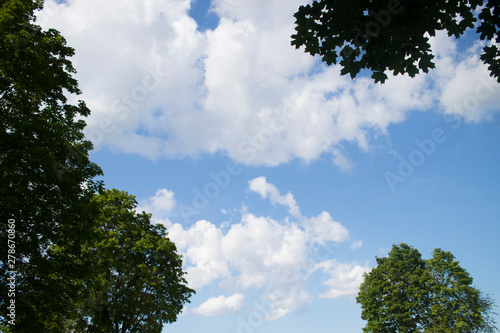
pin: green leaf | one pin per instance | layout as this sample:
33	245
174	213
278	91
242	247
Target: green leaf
379	77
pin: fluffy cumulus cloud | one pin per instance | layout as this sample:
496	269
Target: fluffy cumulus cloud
159	86
201	246
277	257
162	202
345	278
163	199
220	305
469	91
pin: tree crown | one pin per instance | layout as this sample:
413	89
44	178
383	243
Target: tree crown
392	35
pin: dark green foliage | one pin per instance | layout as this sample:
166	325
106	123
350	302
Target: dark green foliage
137	283
80	261
405	293
46	181
391	34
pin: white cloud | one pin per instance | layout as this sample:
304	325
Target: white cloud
200	245
157	86
220	305
324	229
345	279
163	200
341	160
160	204
285	301
471	93
466	88
261	186
277	257
261	249
356	245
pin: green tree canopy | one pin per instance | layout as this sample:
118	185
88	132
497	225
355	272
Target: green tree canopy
46	183
392	35
455	304
137	283
406	293
80	261
393	295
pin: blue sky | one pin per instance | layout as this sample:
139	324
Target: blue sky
278	179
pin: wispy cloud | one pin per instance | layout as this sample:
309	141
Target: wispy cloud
356	245
261	186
